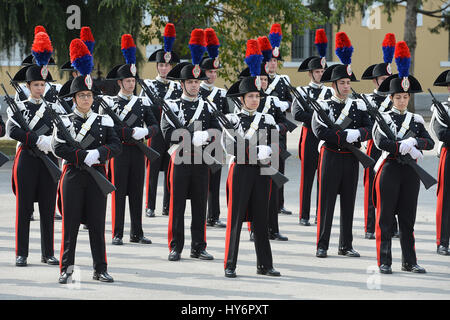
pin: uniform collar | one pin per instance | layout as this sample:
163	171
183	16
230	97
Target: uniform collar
315	85
397	111
272	75
34	101
81	114
124	96
338	100
189	99
248	112
162	80
207	86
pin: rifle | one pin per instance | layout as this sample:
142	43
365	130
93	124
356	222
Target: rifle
150	153
363	158
278	178
52	168
215	164
297	95
101	181
22	95
62	102
424	176
443	114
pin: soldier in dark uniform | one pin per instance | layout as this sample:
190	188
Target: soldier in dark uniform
166	89
82	199
248	190
278	87
127	170
441	131
308	143
210	65
338	167
189	179
377	73
31	179
2	127
396	183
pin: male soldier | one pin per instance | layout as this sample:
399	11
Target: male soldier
165	58
308	143
188	179
127	170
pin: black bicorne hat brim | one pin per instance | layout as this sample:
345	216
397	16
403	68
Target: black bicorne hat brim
185	71
244	86
443	79
67	67
30	60
246	72
368	73
121	71
158	56
208	64
79	84
393	84
311	63
337	72
32	72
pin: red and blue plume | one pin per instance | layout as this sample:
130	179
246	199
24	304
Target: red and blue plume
197	45
402	59
253	57
169	37
88	39
265	47
42	48
388	47
321	42
38	29
212	43
344	48
275	35
128	49
80	57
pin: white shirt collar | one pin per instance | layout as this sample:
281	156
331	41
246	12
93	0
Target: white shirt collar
338	100
165	81
125	97
397	111
81	114
206	85
34	101
315	85
190	99
248	112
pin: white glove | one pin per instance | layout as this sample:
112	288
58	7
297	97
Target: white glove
407	145
200	138
44	143
415	153
264	152
92	157
139	133
352	135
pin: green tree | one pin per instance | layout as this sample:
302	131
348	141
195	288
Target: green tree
108	20
235	21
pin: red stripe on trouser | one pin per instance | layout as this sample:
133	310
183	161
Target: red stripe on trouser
170	173
113	197
16	186
440	195
61	181
319	176
147	176
229	193
367	186
304	134
376	183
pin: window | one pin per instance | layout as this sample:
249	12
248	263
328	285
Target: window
303	44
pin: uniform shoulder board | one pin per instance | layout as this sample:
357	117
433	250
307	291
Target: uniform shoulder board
233	117
66	119
360	104
145	101
173	104
286	77
223	92
107	121
268	119
419	118
57	86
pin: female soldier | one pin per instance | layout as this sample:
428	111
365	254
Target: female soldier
81	197
396	183
247	189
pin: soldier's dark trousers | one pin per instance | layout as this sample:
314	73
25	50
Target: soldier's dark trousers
443	201
247	200
127	174
338	175
214	196
397	189
82	201
32	183
153	169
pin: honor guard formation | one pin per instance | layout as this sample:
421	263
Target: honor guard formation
76	145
